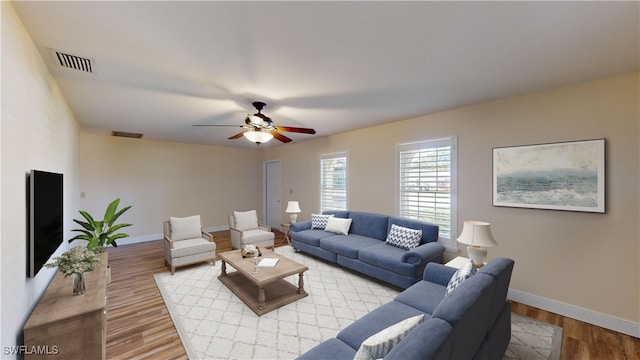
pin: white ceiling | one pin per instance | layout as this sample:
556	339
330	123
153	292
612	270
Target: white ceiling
161	67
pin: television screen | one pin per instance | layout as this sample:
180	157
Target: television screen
45	218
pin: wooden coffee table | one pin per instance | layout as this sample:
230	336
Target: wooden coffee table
266	290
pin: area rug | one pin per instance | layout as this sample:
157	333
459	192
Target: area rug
214	324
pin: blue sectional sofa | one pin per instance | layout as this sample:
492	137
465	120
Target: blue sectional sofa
472	322
364	248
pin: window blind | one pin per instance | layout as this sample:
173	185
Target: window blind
333	182
426	184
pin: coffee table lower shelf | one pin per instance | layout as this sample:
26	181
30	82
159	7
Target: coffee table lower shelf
277	294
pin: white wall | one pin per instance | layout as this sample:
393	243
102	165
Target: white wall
583	264
38	131
161	179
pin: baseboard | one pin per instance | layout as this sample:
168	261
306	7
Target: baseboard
159	236
575	312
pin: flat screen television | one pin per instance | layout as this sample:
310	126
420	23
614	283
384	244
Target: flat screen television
45	218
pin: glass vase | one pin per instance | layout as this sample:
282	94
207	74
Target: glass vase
78	284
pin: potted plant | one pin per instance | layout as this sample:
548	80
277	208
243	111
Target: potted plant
102	233
75	262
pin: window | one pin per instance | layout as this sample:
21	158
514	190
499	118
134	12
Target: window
427	185
333	182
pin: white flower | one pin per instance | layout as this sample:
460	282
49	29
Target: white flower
78	260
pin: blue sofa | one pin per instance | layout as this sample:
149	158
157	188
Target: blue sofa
472	322
364	248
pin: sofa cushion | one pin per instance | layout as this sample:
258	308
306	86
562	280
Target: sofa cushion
429	230
378	319
185	227
343	214
330	349
190	247
379	344
311	237
387	257
467	310
430	340
466	271
348	245
404	238
319	221
423	295
338	226
246	220
372	225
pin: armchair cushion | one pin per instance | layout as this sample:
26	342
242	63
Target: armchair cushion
192	247
246	220
185	228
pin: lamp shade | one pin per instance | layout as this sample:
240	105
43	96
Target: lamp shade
258	136
477	233
293	207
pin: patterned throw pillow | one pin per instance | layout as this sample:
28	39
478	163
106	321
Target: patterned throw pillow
465	272
379	344
403	237
319	221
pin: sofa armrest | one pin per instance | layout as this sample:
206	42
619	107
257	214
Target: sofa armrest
438	273
207	236
264	227
425	253
300	226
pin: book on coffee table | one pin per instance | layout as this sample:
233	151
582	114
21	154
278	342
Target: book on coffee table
268	262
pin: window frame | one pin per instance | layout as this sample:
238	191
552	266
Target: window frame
333	156
449	242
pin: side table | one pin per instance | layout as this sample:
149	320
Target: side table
286	229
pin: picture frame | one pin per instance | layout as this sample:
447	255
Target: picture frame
566	176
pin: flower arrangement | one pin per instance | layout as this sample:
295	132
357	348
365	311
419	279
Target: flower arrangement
78	260
251	250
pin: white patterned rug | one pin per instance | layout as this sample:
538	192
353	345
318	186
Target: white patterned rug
214	324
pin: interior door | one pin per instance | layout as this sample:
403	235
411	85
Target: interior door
273	210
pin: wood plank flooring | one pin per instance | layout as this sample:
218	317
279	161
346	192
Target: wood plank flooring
140	327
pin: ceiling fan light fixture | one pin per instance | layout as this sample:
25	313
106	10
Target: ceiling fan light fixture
258	136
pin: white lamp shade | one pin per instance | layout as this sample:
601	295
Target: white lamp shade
258	137
293	207
477	233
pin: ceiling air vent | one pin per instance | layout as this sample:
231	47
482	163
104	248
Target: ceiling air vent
126	134
73	61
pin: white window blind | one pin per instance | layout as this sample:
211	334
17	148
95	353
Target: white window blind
333	182
426	185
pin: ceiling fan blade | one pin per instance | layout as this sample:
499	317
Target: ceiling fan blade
295	129
217	125
236	136
280	137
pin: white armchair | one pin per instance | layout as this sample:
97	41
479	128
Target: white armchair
186	242
245	229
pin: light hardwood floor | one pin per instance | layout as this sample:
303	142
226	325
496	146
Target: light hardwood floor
139	325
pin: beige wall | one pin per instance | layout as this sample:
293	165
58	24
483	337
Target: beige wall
161	179
38	131
586	260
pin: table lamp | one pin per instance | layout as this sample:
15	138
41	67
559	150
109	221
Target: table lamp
477	235
293	208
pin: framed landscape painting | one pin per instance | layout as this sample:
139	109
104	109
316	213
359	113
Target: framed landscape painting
559	176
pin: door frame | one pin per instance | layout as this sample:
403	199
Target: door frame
264	190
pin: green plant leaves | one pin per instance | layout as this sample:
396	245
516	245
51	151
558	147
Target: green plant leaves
101	233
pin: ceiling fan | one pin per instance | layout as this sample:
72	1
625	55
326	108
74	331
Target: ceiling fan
259	128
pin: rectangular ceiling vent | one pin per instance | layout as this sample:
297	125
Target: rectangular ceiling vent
75	62
127	134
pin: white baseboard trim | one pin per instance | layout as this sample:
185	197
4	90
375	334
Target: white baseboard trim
575	312
160	236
